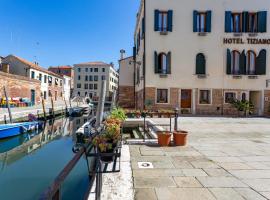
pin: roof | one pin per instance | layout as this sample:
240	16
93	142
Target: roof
34	66
96	64
61	67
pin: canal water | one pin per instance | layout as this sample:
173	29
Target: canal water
30	163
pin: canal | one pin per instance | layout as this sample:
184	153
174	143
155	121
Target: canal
30	163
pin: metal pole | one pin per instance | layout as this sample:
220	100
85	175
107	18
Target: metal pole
175	119
101	103
5	119
8	106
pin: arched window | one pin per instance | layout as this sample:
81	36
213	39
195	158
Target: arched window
244	96
200	64
235	62
162	63
251	62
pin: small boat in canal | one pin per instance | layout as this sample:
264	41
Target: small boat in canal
10	130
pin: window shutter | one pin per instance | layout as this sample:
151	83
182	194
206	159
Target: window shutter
245	22
229	69
156	20
169	57
195	13
208	21
156	63
228	18
143	27
242	64
200	64
261	63
134	53
262	21
170	20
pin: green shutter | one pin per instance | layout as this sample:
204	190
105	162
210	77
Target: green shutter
229	67
262	21
156	63
170	20
228	19
195	14
134	53
208	21
245	22
200	64
169	61
242	64
156	28
261	63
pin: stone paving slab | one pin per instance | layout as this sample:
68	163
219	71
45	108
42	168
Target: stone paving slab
226	194
156	182
225	182
249	194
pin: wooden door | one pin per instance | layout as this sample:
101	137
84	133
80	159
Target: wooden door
186	98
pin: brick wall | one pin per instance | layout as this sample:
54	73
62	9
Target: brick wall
126	97
19	86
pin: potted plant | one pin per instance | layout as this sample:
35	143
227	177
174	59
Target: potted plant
164	138
103	146
243	107
180	138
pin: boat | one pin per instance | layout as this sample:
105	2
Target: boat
10	130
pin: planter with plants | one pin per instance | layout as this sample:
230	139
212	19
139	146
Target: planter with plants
244	108
107	142
180	138
164	138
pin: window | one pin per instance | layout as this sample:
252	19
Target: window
90	78
79	85
86	69
95	86
45	78
229	97
162	96
205	97
200	64
103	77
95	78
56	81
252	22
61	83
103	69
50	80
79	94
244	96
235	62
79	69
236	24
162	63
79	77
91	86
96	70
40	77
32	74
86	86
91	69
202	21
251	62
163	20
86	78
85	94
45	95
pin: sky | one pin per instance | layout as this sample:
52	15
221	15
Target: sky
67	32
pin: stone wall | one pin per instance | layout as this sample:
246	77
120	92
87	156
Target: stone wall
19	86
126	97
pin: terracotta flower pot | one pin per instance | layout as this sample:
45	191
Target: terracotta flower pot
180	138
164	138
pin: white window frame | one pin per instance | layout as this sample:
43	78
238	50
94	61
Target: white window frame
224	96
211	97
169	93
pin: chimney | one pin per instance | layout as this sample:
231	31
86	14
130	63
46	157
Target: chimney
122	54
5	67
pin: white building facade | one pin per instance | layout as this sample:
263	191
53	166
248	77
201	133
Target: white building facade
88	79
198	55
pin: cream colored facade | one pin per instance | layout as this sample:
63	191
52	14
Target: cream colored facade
184	45
88	78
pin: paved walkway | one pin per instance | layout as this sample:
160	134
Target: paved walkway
226	158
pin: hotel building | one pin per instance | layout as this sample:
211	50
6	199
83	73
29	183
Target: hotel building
88	78
198	55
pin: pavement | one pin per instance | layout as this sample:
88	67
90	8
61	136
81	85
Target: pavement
19	112
225	159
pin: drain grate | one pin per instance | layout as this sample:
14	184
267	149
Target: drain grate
145	165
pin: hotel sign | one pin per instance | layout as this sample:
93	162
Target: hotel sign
246	41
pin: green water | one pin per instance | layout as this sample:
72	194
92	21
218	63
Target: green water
27	170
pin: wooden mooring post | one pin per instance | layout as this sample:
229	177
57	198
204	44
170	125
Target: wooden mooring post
43	107
52	107
8	106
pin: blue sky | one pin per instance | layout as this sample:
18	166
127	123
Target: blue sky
62	32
